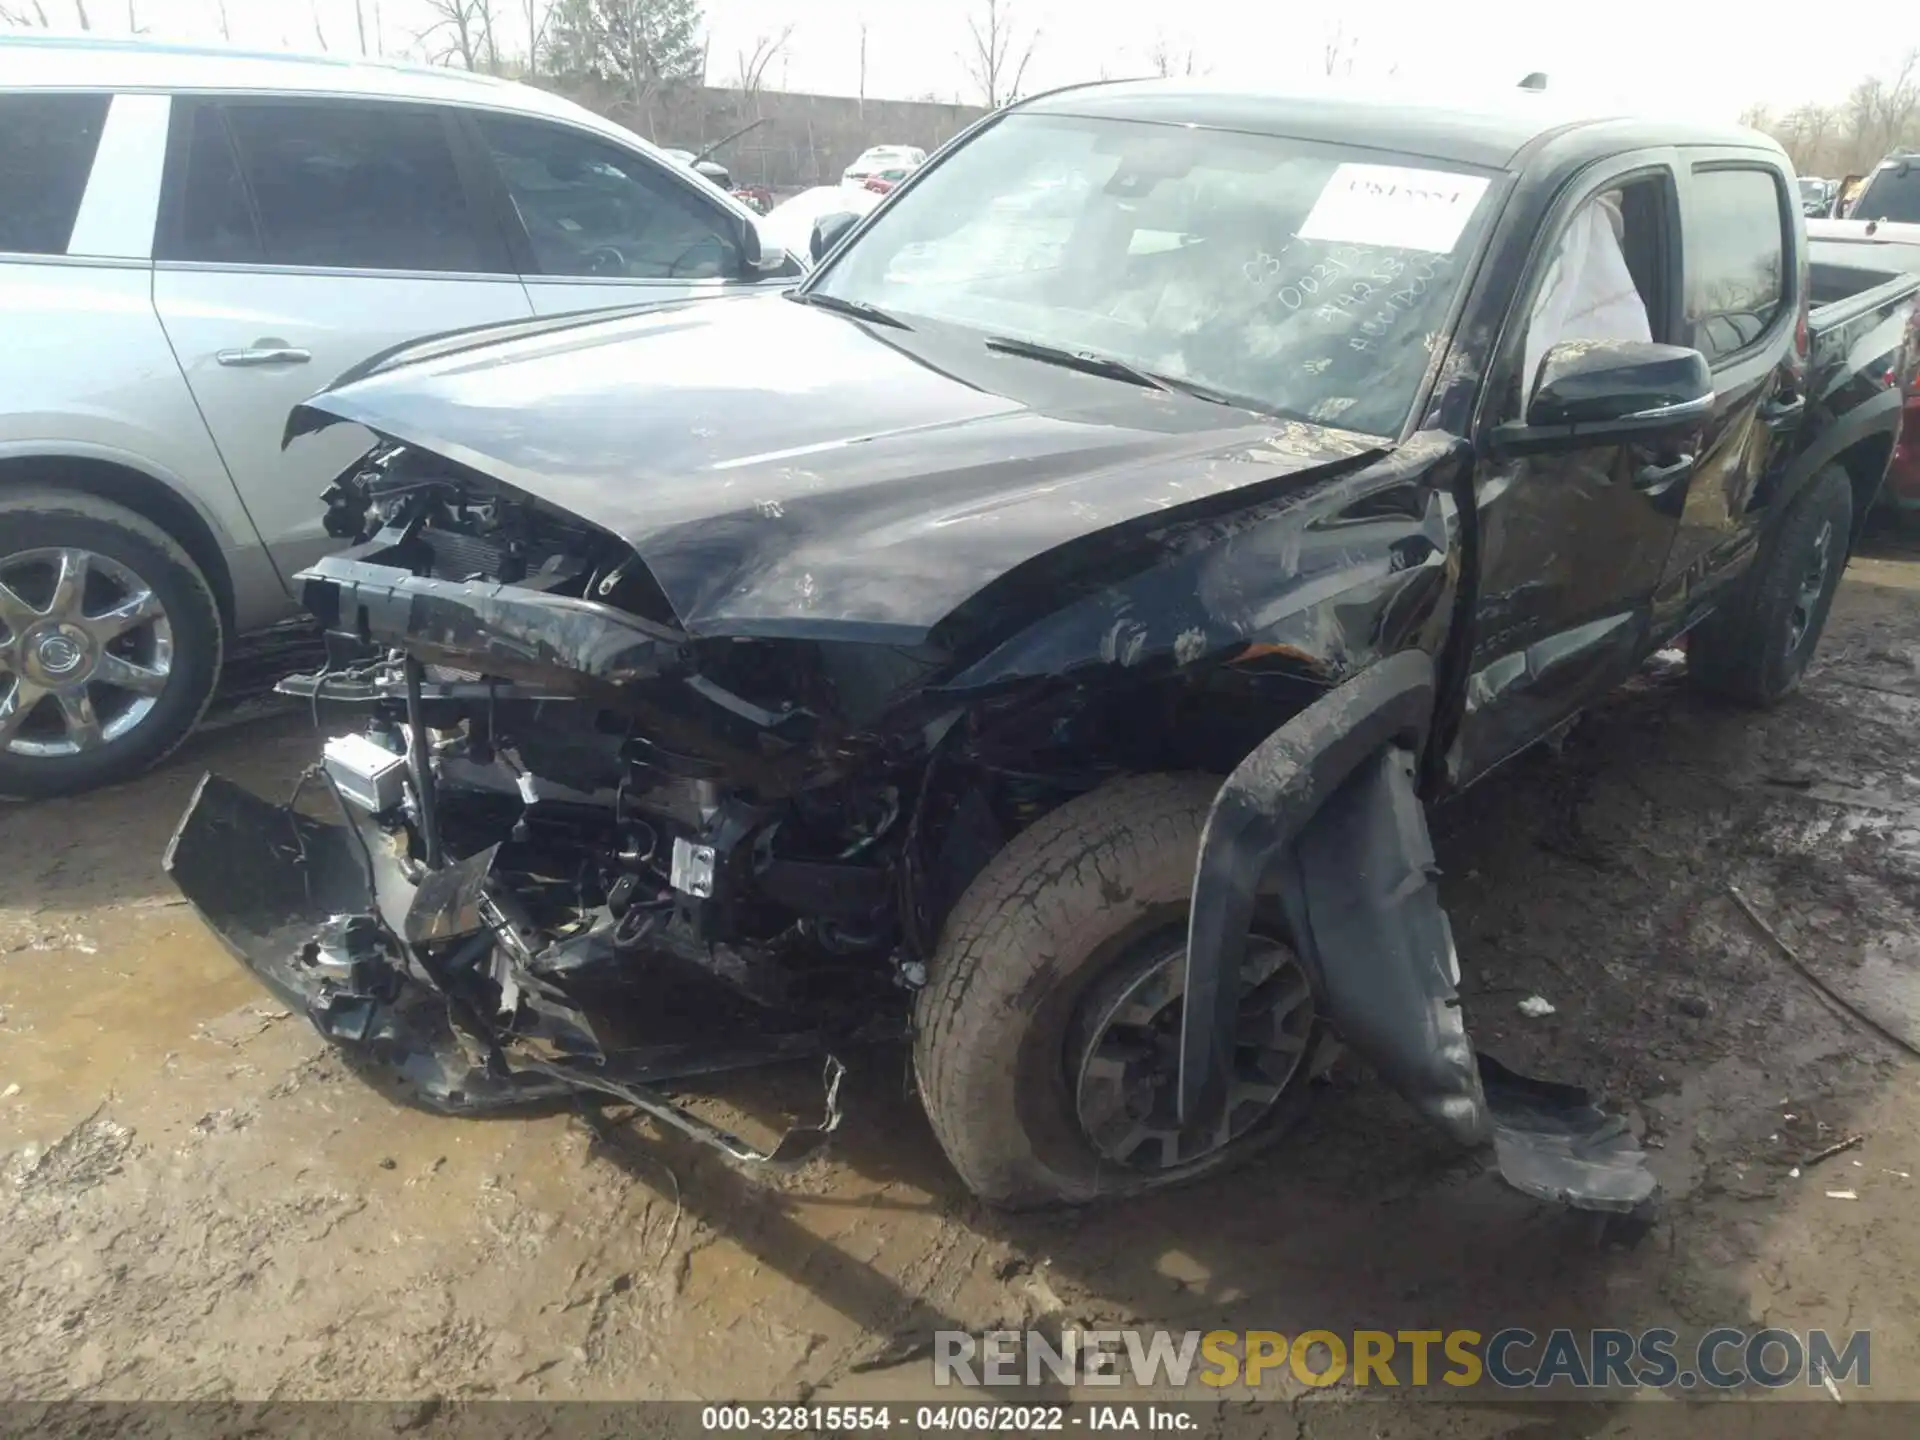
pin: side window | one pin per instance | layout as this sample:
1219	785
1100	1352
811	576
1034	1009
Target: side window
1606	277
591	208
348	186
207	215
45	158
1736	258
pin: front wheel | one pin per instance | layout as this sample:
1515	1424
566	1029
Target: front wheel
1048	1034
1755	649
109	643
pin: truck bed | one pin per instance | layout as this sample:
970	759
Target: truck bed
1844	285
1863	296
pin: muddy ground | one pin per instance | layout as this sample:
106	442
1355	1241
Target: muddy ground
200	1201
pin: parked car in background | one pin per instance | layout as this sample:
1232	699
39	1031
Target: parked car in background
882	183
709	170
192	241
1816	195
881	158
1891	192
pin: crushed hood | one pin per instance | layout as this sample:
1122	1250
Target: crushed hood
783	470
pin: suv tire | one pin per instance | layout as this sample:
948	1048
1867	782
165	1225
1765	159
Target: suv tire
1756	648
109	631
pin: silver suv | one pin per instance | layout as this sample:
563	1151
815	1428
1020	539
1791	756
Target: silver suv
191	242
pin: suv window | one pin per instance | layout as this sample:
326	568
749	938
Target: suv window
339	186
592	208
44	164
209	215
1736	258
1892	194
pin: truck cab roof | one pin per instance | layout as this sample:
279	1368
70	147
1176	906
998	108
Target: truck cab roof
1493	129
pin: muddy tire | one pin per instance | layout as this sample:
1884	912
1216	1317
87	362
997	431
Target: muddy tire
1058	946
110	643
1756	648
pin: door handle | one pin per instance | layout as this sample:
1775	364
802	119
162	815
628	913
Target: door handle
266	353
1658	479
1784	411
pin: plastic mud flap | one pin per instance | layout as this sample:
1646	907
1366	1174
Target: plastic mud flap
1326	810
318	911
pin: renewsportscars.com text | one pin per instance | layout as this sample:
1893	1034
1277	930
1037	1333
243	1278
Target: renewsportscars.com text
1510	1359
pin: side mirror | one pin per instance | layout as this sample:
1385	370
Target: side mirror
1590	392
827	231
756	261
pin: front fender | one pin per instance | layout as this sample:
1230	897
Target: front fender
1327	806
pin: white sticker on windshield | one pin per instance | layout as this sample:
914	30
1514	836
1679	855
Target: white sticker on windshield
1394	207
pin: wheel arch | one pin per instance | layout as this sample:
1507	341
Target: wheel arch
1261	810
142	492
1860	442
1866	462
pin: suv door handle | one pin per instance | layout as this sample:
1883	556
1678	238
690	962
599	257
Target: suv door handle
1658	479
271	352
1783	411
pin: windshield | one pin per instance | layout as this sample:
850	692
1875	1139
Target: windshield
1302	279
1892	194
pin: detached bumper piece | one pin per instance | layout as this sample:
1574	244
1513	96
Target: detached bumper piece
431	989
1553	1142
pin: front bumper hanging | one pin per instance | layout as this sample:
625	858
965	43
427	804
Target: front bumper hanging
327	917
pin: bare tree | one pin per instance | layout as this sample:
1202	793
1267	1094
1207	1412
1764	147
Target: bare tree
226	30
33	17
1168	59
538	13
863	65
80	10
462	30
751	65
1340	50
1899	99
995	59
360	23
1880	114
319	35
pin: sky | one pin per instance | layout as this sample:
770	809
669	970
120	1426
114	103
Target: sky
1693	56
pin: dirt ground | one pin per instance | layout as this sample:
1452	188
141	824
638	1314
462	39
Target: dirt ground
197	1200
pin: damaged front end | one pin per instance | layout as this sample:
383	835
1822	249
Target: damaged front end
564	839
551	848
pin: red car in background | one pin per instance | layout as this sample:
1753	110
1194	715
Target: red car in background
884	181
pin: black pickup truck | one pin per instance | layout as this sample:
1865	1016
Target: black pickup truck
1039	635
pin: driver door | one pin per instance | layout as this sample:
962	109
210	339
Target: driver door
1573	543
593	224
